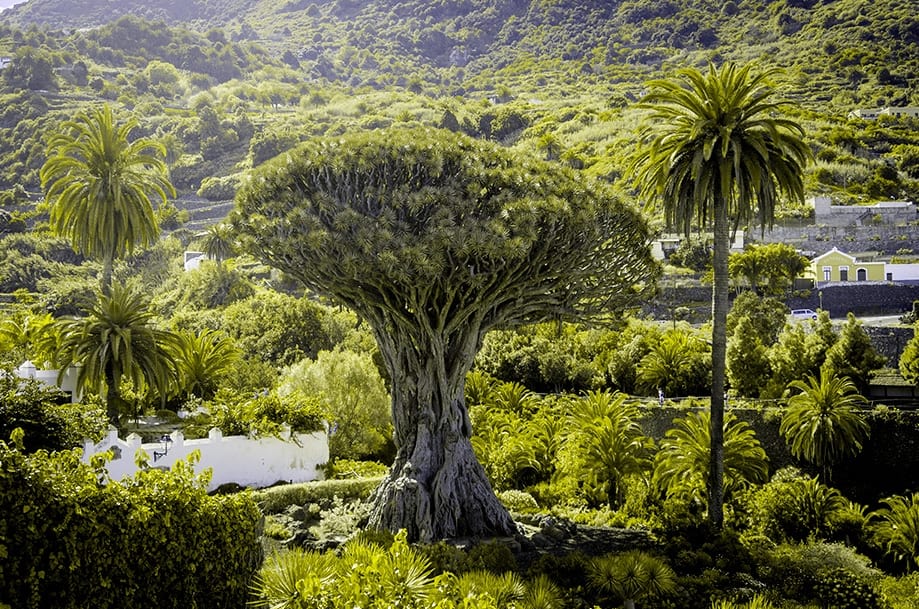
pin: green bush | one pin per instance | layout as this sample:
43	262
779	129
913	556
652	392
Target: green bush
346	469
70	542
796	570
794	507
276	499
491	556
46	415
219	188
518	501
842	589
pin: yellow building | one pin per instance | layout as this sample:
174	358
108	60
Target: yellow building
836	265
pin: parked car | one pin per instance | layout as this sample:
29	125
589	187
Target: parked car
803	314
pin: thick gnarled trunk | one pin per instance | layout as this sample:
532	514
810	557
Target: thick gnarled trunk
436	488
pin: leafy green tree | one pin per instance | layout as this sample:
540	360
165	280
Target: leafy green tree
118	342
353	396
823	422
433	239
29	336
31	68
278	328
718	151
767	315
747	360
633	343
853	355
47	417
692	254
682	463
770	268
99	184
202	360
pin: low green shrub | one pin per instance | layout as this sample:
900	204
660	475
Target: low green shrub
344	469
842	589
491	556
276	499
901	592
518	501
796	570
69	542
340	519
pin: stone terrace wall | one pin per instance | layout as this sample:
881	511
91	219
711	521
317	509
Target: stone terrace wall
886	238
861	298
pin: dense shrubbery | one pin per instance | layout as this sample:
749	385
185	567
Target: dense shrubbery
47	417
158	540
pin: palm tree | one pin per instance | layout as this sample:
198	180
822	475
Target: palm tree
218	242
895	528
717	151
682	463
99	184
612	439
118	341
677	365
202	359
823	423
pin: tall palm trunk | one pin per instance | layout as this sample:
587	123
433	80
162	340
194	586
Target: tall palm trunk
719	349
112	399
108	264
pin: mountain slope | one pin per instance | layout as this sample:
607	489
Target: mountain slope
844	44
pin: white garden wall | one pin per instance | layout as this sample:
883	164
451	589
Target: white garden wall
252	462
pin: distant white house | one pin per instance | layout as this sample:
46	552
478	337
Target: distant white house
662	247
875	113
902	273
193	260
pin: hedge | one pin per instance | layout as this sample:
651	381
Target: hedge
71	539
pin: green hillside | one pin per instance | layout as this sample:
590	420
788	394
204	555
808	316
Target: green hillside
227	84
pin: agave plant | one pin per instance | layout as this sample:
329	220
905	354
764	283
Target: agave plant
757	602
393	577
631	576
277	585
542	594
502	589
